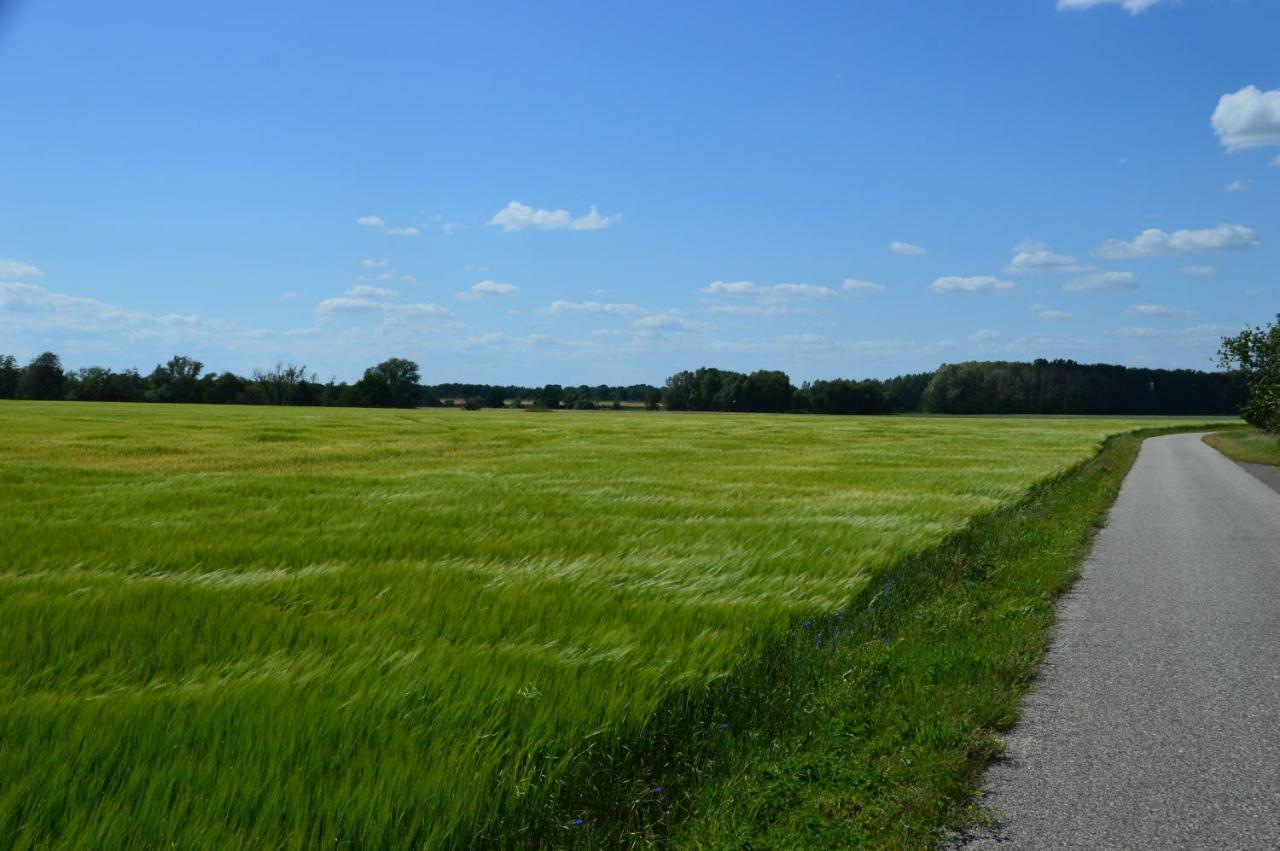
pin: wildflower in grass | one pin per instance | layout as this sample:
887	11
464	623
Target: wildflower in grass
578	822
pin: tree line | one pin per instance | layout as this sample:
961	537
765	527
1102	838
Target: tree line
990	387
393	383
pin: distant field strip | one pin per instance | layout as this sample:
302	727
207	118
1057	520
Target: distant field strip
264	627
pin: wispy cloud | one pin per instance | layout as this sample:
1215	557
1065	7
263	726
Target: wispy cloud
1054	315
1154	242
18	269
356	304
1248	118
1102	281
853	285
486	289
1133	7
1236	186
517	217
1157	310
983	334
906	249
972	284
775	293
1199	271
600	307
378	223
367	291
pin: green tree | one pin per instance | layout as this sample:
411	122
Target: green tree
9	374
1255	354
42	378
391	384
175	381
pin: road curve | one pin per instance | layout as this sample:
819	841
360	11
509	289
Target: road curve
1156	722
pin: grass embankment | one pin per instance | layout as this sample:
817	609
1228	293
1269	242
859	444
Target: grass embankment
900	720
1248	445
233	627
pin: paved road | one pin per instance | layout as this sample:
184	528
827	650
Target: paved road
1156	723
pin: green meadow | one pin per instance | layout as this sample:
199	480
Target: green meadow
232	627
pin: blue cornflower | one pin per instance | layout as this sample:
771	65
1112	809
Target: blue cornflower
578	822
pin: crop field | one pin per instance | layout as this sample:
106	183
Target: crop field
287	627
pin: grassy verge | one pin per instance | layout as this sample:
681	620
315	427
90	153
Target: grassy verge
902	697
1248	445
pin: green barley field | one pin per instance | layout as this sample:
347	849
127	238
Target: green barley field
230	627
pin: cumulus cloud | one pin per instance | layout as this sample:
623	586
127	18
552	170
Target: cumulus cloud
367	291
1156	310
1236	186
485	289
598	307
906	249
1248	118
371	221
289	296
1199	271
517	217
18	269
370	263
853	285
1031	256
1133	7
973	284
1102	281
1154	242
984	334
402	231
1054	315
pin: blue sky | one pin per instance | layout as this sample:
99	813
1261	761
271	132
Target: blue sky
578	192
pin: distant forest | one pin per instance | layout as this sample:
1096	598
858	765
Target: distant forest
975	387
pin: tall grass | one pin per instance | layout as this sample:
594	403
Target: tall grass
287	628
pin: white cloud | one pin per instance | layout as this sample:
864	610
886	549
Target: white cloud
1102	281
357	304
1236	186
1154	242
906	249
774	293
289	296
379	223
18	269
1133	7
369	263
1156	310
1032	256
516	217
973	284
448	228
669	321
613	309
984	334
1054	315
1276	162
752	309
1248	118
483	289
34	309
1199	271
367	291
853	285
1195	332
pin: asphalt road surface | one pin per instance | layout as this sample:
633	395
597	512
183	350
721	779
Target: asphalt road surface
1156	722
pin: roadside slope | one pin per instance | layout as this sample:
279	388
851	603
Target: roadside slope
1157	720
